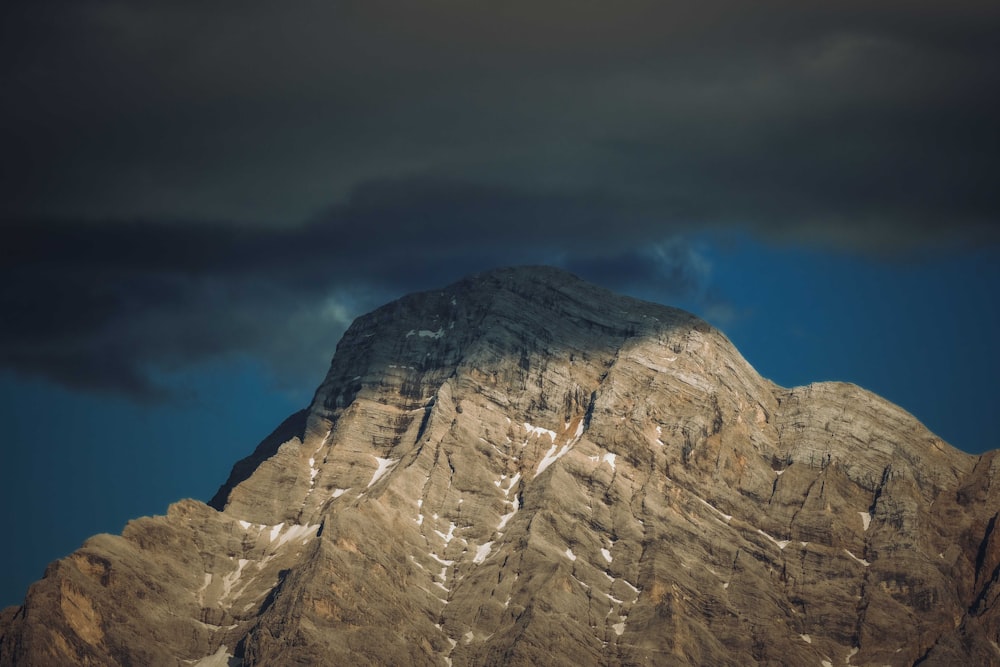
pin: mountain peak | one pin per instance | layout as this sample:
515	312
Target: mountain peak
522	468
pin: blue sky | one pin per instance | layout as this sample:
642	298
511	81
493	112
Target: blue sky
196	201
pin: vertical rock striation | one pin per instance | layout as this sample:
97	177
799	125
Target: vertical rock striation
525	469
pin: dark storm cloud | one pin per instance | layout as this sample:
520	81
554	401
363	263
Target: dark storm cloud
111	305
184	181
793	119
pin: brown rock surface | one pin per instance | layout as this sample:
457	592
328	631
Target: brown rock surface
524	469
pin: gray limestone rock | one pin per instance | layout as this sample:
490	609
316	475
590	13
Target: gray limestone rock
524	469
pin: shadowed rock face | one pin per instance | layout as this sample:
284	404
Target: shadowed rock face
524	469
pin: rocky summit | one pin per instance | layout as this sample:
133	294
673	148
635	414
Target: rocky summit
525	469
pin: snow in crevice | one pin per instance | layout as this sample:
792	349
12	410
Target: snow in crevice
513	482
384	465
569	554
781	544
551	457
515	506
482	551
619	628
866	520
447	537
726	517
229	580
607	555
442	561
245	524
806	638
338	493
860	560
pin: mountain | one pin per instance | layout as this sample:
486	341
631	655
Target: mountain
525	469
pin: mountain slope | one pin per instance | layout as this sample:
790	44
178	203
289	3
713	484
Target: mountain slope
525	469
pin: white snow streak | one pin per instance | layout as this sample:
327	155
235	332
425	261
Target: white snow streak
860	560
451	534
569	554
780	543
515	505
383	467
551	457
727	517
606	554
866	519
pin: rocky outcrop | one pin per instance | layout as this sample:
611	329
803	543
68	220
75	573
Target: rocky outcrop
524	469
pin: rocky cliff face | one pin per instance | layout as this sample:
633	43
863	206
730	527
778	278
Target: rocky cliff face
523	469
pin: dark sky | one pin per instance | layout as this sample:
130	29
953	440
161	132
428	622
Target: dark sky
197	198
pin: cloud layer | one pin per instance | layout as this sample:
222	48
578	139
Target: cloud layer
183	182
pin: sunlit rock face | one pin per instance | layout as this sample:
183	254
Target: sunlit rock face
524	469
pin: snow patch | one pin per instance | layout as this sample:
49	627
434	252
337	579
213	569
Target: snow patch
607	457
426	333
606	554
807	639
619	629
866	519
539	431
230	579
297	532
245	524
384	465
219	659
275	531
569	554
482	551
339	492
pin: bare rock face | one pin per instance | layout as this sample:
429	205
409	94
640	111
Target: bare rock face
524	469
